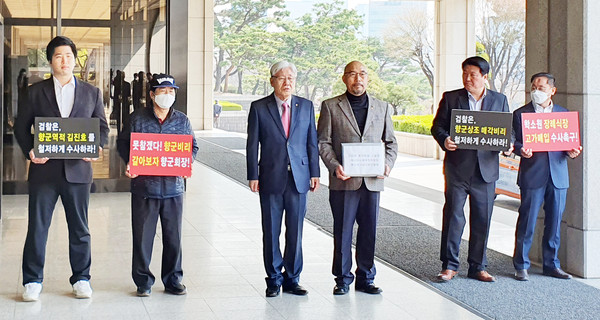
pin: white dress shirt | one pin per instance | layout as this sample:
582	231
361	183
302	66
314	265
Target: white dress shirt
65	96
475	105
540	109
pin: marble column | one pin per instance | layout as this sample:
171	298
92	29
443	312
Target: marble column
455	41
560	40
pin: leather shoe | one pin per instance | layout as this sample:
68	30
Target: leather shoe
522	275
178	289
369	288
557	273
482	275
141	292
272	292
296	289
446	275
341	289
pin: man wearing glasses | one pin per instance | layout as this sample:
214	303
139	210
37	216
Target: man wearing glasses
282	127
354	117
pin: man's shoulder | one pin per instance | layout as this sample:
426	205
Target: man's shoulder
38	86
87	86
559	108
335	99
455	92
493	93
526	108
263	100
301	100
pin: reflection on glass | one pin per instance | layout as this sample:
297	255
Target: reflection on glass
122	38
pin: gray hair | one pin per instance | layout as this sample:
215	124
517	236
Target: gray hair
283	65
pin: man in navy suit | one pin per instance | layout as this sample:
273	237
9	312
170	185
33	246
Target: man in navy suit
70	179
470	173
543	178
283	125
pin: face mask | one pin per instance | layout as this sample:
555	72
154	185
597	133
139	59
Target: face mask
164	101
538	97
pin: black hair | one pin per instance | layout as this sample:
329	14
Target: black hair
549	76
479	62
59	41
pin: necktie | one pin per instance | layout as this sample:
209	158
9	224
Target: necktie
285	119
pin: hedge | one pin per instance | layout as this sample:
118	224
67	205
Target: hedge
230	106
413	124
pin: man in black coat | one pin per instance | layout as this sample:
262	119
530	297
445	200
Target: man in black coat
470	173
60	96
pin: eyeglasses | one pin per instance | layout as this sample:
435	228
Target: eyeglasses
353	74
283	79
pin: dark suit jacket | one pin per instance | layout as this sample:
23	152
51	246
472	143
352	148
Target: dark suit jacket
535	171
41	102
276	151
459	164
338	125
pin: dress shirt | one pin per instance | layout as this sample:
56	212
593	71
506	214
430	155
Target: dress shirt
65	96
280	104
540	109
475	105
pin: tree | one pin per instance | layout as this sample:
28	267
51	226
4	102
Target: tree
233	20
411	36
502	38
321	44
402	98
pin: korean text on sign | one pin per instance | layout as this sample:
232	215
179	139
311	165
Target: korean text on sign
555	131
160	154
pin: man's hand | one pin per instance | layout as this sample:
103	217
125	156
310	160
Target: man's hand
94	159
386	172
526	153
509	151
575	152
129	174
449	144
36	160
314	184
340	174
253	184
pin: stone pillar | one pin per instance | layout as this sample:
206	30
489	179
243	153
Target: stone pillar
560	39
191	56
454	42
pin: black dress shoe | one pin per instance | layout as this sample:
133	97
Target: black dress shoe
557	273
272	292
341	289
296	289
141	292
522	275
369	288
178	289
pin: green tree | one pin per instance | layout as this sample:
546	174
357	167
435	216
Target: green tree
402	98
235	21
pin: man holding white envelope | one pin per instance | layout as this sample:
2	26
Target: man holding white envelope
355	117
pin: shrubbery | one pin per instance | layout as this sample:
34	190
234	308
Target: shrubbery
413	124
230	106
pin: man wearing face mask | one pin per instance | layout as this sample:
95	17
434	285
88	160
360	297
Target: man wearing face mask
543	178
157	196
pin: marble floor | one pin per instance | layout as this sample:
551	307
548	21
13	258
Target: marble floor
222	267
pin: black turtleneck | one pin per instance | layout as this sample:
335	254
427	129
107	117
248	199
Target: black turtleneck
360	106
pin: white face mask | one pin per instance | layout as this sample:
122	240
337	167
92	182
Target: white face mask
164	101
538	97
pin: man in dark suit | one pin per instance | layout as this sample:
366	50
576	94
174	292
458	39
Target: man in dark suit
543	178
60	96
470	173
283	126
354	117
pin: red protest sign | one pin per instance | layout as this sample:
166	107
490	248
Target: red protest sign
156	154
555	131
